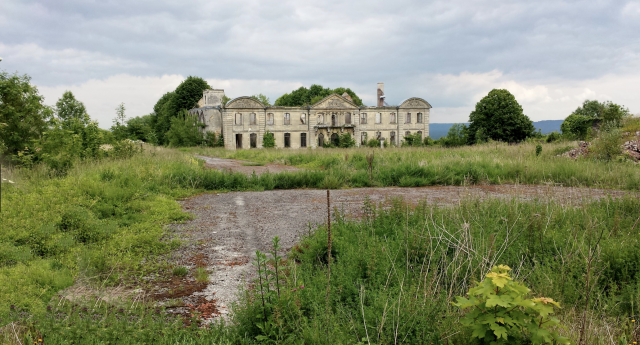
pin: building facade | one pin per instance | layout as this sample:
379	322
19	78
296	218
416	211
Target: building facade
244	121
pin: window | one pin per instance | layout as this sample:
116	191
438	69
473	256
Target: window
238	119
320	119
392	137
378	117
392	118
347	118
407	133
333	119
287	119
287	140
238	141
253	140
320	140
363	138
378	135
335	139
303	118
420	134
363	118
303	139
270	119
252	118
419	118
408	118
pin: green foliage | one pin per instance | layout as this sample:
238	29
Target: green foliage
119	127
538	150
428	141
268	140
186	130
172	104
457	136
213	140
607	145
375	143
201	275
225	99
141	128
498	309
180	271
498	116
262	99
553	137
413	140
71	112
582	119
315	93
22	112
346	140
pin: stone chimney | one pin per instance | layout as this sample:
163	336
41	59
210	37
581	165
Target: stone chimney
381	94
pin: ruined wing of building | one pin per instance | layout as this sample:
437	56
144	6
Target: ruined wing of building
244	121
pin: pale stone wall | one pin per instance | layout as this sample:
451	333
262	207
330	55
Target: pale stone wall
324	118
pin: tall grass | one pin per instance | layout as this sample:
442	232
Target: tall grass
478	164
395	272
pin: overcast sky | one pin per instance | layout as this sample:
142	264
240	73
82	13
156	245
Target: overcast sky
551	55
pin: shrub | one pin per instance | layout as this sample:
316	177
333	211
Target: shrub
346	141
201	275
497	309
180	271
268	141
553	136
538	149
607	145
413	140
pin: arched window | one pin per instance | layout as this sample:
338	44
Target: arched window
320	140
238	119
407	133
420	134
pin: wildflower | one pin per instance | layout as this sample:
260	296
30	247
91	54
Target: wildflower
301	287
294	290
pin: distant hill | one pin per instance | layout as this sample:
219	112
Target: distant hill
438	130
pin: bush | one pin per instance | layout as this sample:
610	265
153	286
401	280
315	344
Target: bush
268	140
553	137
456	136
345	141
413	140
607	146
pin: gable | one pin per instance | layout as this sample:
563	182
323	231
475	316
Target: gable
334	101
415	102
244	103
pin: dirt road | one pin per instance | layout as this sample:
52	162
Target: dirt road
228	228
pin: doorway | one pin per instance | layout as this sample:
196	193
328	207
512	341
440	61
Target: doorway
320	140
238	141
253	140
335	140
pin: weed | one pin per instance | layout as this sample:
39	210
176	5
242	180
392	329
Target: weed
180	271
201	275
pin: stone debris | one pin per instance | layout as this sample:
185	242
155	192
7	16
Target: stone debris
581	150
632	148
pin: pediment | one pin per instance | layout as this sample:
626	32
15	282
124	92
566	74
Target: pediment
334	101
415	102
244	103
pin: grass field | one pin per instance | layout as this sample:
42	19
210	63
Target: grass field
395	272
413	167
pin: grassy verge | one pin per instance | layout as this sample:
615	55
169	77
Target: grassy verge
413	167
395	273
103	222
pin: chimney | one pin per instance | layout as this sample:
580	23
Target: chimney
381	94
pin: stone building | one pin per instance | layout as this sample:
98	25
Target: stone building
244	121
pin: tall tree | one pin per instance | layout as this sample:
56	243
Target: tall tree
22	112
498	116
303	96
582	119
119	127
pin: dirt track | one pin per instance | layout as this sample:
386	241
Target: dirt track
228	228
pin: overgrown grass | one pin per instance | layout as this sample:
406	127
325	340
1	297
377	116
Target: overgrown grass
413	167
395	272
98	224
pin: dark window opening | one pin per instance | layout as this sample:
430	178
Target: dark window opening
303	139
335	139
333	119
253	140
287	140
238	141
392	137
320	140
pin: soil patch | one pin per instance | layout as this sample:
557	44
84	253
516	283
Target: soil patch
229	227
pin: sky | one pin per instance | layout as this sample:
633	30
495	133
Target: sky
552	55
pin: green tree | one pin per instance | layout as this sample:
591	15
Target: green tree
185	130
72	112
141	128
119	127
22	112
455	137
413	140
579	123
262	99
346	140
303	96
499	117
268	141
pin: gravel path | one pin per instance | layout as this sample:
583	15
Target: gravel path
228	228
244	167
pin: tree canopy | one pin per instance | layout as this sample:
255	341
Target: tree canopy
22	113
498	116
582	119
315	93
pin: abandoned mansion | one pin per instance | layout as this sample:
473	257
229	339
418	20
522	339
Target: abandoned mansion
244	121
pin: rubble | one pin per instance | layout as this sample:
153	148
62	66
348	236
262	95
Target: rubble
632	148
581	150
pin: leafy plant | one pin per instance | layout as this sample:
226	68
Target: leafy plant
268	141
538	149
498	309
180	271
201	275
